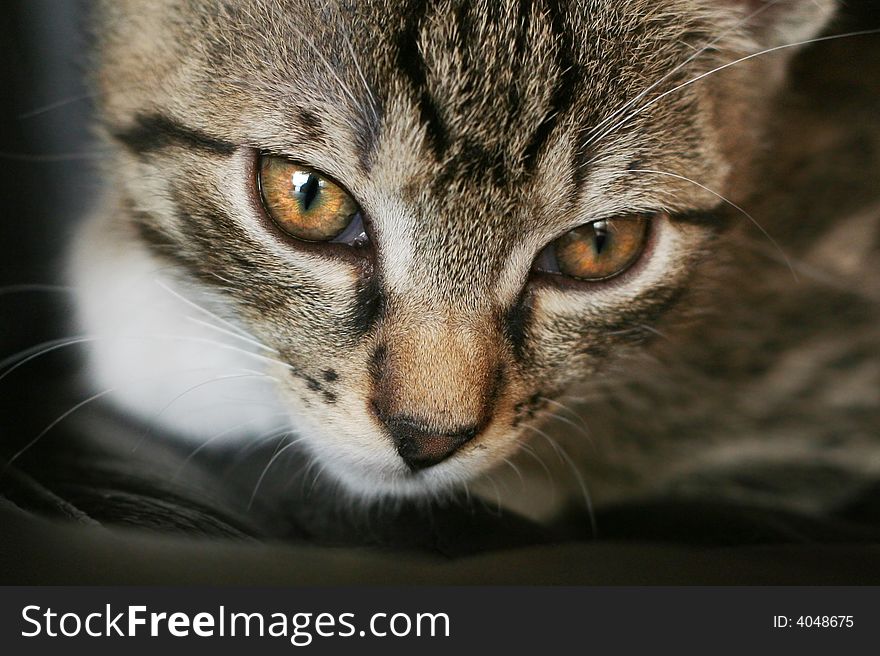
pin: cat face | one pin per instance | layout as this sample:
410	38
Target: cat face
435	215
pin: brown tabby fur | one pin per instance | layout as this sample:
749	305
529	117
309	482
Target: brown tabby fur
473	134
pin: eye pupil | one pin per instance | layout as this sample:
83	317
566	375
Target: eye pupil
307	191
600	236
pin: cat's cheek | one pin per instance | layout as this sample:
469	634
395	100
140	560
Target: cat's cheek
579	330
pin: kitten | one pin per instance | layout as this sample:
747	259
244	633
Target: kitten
413	231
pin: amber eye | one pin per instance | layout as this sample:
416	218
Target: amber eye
597	250
307	205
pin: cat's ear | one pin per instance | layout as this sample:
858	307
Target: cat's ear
783	22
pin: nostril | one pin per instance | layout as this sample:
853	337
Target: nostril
422	445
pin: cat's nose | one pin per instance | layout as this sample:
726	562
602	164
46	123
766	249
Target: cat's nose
422	446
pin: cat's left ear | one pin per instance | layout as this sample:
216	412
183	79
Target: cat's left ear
783	22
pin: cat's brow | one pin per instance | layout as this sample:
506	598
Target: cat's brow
151	132
710	218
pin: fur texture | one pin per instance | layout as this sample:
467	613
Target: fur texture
472	134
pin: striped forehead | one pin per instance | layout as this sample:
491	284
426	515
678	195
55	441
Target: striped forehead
472	94
488	80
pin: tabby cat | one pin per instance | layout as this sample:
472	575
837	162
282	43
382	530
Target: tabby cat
443	244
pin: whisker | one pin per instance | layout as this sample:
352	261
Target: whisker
308	470
550	441
588	500
230	347
522	481
586	434
723	67
731	204
491	480
679	67
216	436
255	443
247	340
205	311
314	482
21	358
56	105
652	330
467	495
330	69
48	428
54	345
153	422
583	428
534	454
576	474
268	466
373	101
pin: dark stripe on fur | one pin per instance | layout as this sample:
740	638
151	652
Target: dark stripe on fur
718	219
369	305
151	132
311	126
564	88
411	63
515	325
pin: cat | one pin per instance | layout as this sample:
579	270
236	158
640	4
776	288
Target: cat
438	240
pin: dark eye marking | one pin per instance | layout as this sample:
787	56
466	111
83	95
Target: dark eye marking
368	306
330	375
152	132
515	324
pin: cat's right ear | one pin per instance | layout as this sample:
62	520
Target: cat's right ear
775	23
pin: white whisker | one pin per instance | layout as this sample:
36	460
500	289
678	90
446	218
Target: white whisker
28	355
314	482
216	436
565	408
522	481
268	466
676	69
723	67
576	474
370	94
167	406
247	340
205	311
731	204
48	428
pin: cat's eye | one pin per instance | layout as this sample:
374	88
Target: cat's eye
597	250
308	205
